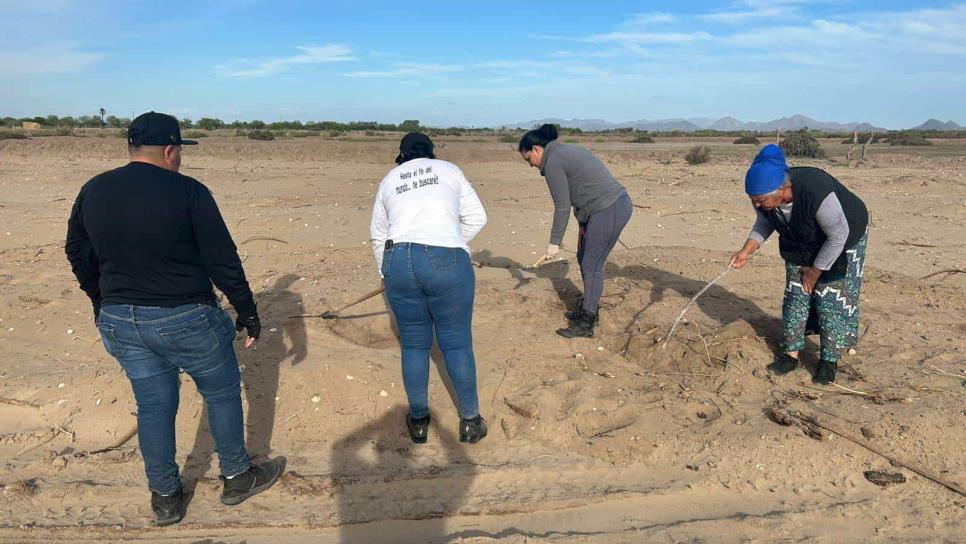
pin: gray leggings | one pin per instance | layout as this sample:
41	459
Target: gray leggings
597	237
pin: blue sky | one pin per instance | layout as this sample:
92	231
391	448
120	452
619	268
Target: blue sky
892	63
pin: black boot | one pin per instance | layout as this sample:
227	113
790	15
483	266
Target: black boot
168	509
418	428
783	364
258	478
573	314
582	327
825	372
472	430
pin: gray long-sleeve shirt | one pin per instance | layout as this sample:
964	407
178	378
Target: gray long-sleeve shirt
830	218
577	179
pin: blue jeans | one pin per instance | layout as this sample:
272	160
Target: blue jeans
429	288
152	344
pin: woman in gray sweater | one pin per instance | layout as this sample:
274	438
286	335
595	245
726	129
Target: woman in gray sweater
578	179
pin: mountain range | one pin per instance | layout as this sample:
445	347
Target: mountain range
729	124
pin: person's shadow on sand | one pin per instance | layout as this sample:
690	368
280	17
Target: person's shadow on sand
556	272
717	302
377	476
260	377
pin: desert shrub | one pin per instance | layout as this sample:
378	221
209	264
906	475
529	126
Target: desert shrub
337	133
599	140
908	138
12	136
800	143
698	154
263	135
747	140
509	138
303	133
642	139
195	134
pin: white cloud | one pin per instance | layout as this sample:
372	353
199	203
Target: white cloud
48	60
325	54
406	69
750	10
648	38
651	18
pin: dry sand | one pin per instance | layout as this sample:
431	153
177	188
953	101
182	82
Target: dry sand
605	440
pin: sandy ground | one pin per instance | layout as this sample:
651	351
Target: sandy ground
613	439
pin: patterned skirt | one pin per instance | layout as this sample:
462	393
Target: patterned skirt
832	310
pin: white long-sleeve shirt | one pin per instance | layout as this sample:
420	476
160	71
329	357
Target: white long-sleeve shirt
425	201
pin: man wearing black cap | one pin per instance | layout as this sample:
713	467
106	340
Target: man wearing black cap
146	243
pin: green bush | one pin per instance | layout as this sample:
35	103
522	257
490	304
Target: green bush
800	143
12	136
302	133
698	154
747	140
337	133
263	135
908	138
509	138
195	134
642	139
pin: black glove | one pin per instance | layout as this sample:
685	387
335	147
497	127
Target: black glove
97	310
253	324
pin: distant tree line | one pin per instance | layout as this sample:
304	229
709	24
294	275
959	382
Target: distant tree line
102	120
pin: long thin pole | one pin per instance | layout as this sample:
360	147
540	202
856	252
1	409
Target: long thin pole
691	303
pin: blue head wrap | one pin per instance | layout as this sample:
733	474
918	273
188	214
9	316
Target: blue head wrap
767	171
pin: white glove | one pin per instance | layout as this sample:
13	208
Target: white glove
552	251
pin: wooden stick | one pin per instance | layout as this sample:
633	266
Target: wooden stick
691	303
925	473
17	402
914	244
120	441
332	314
253	238
948	273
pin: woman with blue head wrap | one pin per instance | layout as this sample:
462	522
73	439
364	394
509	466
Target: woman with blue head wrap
822	229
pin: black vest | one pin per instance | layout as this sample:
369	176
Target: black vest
801	237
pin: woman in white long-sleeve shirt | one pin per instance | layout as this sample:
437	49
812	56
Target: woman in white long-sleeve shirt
425	214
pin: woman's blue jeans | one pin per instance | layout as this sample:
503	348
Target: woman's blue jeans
432	289
152	344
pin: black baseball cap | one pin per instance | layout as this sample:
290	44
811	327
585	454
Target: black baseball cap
154	128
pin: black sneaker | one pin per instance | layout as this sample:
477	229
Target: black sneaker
168	509
258	478
472	430
825	372
418	428
582	327
783	364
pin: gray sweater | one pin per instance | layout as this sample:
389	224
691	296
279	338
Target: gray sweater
576	178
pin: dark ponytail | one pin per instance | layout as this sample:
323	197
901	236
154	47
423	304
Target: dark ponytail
538	136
